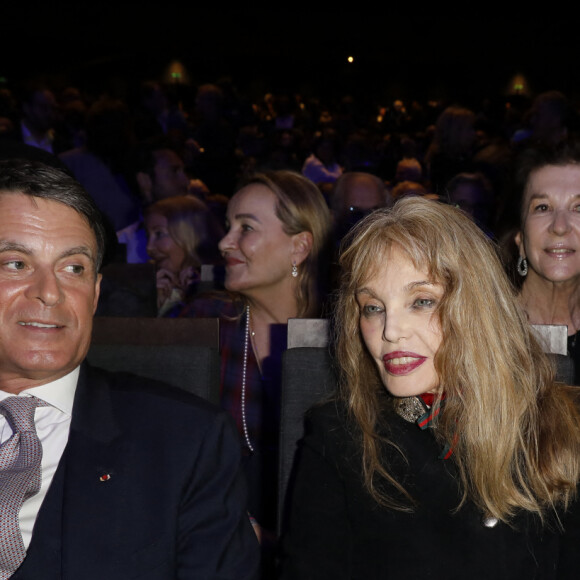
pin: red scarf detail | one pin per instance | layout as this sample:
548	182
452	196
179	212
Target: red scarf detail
429	398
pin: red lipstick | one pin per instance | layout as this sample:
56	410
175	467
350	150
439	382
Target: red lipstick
402	362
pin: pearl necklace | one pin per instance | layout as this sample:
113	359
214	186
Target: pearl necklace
246	346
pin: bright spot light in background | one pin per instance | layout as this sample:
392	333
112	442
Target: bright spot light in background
350	59
176	73
519	85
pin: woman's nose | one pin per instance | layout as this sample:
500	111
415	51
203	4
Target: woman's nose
150	245
561	222
395	327
228	242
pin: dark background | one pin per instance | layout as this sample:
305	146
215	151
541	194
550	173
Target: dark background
404	52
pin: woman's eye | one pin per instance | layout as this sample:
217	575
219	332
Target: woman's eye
424	303
246	228
158	234
541	207
371	309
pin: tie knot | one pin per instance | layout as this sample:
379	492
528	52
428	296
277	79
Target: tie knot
19	412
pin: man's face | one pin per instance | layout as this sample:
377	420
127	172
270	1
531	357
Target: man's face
169	177
41	111
49	290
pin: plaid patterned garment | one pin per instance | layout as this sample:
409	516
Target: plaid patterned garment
262	406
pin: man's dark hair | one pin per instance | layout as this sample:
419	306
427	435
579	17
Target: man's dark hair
144	159
43	181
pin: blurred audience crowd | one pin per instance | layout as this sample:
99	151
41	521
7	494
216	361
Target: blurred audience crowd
156	141
174	173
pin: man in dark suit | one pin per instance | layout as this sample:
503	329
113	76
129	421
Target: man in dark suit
137	480
40	122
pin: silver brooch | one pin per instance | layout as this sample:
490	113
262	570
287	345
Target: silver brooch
410	408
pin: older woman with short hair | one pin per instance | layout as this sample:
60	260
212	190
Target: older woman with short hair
548	239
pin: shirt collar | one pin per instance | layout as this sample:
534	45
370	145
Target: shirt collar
59	393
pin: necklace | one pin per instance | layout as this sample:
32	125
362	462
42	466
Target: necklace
244	369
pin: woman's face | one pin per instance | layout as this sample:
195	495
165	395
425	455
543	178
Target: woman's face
400	325
551	232
257	252
161	247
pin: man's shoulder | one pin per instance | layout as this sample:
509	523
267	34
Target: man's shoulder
146	398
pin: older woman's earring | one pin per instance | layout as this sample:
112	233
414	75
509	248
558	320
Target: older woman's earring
294	270
522	266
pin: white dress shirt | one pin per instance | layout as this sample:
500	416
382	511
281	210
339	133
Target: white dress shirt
52	426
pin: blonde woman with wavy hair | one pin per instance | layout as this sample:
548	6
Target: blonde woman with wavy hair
449	452
274	250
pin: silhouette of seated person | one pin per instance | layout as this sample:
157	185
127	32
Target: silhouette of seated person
472	193
155	115
355	194
550	117
453	147
159	173
101	165
39	119
216	164
322	166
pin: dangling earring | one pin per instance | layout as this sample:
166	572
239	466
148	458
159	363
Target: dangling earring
294	270
522	266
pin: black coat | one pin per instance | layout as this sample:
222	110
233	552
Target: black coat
337	531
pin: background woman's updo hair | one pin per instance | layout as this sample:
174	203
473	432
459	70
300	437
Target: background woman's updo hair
491	368
192	226
301	207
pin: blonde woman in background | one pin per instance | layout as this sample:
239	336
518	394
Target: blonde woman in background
278	233
182	234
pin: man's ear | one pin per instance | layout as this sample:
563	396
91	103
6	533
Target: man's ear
145	184
520	244
97	291
302	244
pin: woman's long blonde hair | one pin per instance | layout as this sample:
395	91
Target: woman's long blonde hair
514	431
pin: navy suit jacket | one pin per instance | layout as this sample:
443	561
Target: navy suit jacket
149	486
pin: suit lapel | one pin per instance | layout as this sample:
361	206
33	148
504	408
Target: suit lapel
91	480
88	455
92	410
